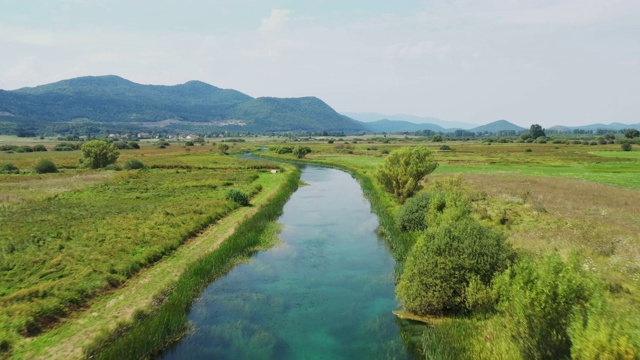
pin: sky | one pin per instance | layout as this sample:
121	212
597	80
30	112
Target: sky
549	62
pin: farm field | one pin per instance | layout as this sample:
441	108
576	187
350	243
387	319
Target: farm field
75	236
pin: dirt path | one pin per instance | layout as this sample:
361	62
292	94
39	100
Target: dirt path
68	340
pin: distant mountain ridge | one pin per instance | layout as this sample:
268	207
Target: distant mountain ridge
391	126
496	126
373	117
111	101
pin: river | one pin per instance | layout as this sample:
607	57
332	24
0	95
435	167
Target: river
325	292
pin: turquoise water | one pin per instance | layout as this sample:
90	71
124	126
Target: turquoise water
325	292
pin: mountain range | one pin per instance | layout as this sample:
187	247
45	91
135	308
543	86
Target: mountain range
99	104
111	102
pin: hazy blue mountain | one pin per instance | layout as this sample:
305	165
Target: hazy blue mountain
393	126
615	126
500	125
111	100
445	124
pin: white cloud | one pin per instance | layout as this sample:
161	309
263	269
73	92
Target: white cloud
278	20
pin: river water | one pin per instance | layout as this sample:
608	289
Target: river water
325	292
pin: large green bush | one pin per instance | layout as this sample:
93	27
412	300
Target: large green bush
413	214
445	260
45	166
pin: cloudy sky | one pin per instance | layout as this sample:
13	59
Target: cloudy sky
536	61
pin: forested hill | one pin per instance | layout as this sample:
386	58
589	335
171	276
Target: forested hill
109	102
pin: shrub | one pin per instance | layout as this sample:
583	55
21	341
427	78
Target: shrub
445	260
238	197
66	146
528	150
626	146
133	164
9	169
45	166
538	302
301	151
8	147
189	143
114	167
39	147
24	149
413	214
445	147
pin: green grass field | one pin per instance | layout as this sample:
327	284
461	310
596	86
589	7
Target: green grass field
69	237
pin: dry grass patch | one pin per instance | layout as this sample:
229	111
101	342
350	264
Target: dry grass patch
543	214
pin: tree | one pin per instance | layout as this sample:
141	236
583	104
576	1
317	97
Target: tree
301	151
223	148
626	146
97	154
536	131
631	133
403	169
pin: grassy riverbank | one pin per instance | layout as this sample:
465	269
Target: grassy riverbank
545	206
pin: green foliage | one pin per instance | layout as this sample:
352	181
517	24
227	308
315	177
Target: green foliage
45	166
223	148
598	332
445	148
134	164
536	131
278	149
436	138
412	216
301	151
24	149
538	302
39	147
626	146
98	154
238	197
8	147
445	260
402	170
67	146
9	168
631	133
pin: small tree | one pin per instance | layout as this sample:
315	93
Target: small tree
223	148
626	146
301	151
9	168
403	169
45	166
98	154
